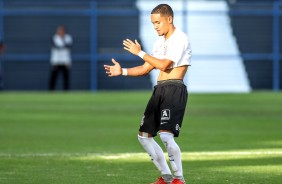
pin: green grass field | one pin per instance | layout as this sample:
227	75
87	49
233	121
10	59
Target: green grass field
83	138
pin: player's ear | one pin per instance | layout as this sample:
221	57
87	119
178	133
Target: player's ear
170	19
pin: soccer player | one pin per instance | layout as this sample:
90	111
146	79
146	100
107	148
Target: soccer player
166	107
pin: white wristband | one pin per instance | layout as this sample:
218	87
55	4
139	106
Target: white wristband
124	71
141	54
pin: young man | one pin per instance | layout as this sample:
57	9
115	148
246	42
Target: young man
165	110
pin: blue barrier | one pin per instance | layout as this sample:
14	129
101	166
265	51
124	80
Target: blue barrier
94	12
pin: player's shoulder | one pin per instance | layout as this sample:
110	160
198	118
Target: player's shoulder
180	34
179	38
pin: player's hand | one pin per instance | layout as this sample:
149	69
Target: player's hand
132	47
114	70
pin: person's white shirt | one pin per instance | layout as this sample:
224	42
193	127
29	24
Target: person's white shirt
60	52
176	48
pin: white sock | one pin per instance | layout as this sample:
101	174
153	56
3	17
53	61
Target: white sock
156	153
174	153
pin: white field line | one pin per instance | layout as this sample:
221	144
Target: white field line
140	156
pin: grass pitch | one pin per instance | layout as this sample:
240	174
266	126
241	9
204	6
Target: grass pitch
77	138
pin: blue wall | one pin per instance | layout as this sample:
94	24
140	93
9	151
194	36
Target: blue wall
258	35
98	29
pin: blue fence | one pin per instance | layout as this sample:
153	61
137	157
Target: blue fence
93	12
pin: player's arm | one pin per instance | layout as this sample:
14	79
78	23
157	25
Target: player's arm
116	70
139	70
135	48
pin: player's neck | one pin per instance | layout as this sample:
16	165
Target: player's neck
170	32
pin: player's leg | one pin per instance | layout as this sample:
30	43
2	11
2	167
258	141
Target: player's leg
169	129
174	154
172	113
148	129
157	155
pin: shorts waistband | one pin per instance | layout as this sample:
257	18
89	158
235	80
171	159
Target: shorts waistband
175	81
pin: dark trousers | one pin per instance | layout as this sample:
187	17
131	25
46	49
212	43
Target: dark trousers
55	71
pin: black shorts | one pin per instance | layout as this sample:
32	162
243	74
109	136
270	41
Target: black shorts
166	108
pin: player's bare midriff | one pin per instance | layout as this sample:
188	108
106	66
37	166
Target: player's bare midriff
173	73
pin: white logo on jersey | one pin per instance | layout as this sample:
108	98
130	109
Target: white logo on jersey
165	49
165	114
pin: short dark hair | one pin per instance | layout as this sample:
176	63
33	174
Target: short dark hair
163	9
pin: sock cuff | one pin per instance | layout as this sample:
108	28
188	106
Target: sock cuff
166	133
142	137
166	136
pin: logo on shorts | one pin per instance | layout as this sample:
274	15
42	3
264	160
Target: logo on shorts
177	127
165	114
142	120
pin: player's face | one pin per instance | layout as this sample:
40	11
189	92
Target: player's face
161	23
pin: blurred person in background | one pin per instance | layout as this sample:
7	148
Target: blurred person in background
166	108
60	57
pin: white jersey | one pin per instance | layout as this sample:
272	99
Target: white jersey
176	48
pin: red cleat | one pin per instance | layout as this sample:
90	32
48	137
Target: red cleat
177	181
160	181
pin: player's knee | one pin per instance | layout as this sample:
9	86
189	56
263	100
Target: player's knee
166	137
147	145
168	140
173	149
141	140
